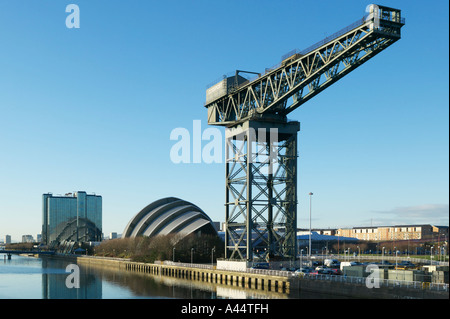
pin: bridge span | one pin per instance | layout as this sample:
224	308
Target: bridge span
8	253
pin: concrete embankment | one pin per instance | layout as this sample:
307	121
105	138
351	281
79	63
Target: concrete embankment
361	291
280	284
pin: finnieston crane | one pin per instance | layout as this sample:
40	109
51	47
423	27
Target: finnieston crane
261	144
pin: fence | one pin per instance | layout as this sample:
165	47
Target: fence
188	265
380	258
381	282
325	277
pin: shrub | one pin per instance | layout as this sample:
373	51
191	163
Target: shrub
145	249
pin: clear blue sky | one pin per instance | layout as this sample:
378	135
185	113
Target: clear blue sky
92	108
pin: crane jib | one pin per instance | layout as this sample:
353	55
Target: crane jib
261	146
303	74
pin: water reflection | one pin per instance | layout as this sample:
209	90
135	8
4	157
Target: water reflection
54	283
27	277
143	284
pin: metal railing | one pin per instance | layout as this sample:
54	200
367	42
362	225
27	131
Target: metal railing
309	49
268	272
187	265
394	258
337	34
381	282
323	277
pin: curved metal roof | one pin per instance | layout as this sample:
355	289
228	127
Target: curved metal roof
169	215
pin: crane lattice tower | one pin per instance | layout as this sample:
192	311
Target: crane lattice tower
261	144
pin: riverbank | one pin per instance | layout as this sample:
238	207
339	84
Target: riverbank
357	288
275	282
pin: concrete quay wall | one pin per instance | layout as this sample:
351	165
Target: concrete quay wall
280	284
353	290
232	278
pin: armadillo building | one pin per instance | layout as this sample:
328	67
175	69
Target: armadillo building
169	215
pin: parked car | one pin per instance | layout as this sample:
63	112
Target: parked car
260	266
407	264
336	271
321	268
287	269
304	270
325	271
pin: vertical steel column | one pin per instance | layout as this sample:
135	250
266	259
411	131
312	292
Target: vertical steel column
236	204
290	241
249	138
227	196
261	190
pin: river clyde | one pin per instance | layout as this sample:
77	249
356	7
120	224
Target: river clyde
45	278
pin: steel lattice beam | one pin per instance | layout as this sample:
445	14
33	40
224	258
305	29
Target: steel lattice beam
261	184
303	75
261	171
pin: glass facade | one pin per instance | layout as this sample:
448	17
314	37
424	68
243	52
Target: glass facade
74	217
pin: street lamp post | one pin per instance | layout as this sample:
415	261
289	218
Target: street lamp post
310	204
359	253
301	259
192	256
431	255
439	252
396	251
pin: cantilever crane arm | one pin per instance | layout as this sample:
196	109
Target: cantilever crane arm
303	75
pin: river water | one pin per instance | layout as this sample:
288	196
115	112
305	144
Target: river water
45	278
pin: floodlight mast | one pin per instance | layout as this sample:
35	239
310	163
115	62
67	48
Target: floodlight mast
261	191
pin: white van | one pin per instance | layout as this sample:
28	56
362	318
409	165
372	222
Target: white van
347	264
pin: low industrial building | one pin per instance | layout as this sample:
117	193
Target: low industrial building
319	242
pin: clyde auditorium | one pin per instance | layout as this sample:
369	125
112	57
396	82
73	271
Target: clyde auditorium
169	215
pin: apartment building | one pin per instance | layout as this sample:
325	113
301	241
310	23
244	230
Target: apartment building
397	232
